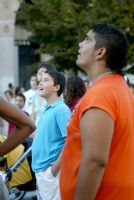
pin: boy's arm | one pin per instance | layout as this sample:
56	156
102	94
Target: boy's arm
62	119
57	165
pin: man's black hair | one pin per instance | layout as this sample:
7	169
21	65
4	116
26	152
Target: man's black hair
115	43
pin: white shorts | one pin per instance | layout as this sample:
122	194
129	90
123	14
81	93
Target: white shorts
48	185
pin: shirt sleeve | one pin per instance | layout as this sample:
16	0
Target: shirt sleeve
62	116
102	99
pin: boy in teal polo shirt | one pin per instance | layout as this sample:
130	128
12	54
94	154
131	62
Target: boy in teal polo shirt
50	136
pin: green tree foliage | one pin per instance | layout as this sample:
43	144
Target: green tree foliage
58	25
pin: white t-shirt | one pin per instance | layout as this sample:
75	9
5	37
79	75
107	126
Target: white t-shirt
29	94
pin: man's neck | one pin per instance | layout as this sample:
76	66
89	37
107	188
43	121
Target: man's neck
106	73
97	71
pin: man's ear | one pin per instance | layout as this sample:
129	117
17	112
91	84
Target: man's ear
100	53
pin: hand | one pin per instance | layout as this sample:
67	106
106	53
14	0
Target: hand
54	171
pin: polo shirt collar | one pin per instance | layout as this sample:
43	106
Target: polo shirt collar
55	103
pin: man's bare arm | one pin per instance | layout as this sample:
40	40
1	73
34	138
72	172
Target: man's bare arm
96	129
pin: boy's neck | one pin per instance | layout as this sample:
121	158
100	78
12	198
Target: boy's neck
52	99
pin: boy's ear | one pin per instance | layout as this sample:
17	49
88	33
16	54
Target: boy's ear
57	87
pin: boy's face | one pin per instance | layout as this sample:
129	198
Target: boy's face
20	102
46	86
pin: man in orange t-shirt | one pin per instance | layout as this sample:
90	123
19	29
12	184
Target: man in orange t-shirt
98	158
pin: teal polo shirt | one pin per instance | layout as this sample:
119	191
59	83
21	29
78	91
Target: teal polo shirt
50	135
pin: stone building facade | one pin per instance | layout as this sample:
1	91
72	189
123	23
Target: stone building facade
8	51
16	53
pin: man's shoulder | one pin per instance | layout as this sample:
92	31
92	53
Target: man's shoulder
98	93
100	89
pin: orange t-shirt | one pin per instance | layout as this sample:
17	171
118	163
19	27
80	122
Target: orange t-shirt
111	94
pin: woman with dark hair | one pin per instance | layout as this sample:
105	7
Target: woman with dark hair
75	89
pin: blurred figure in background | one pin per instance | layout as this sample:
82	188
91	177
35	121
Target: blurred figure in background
132	87
30	94
19	90
9	96
11	87
20	103
86	82
75	89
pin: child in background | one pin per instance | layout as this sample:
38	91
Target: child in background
20	102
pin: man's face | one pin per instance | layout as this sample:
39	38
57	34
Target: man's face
46	86
86	51
20	102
